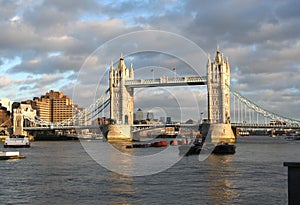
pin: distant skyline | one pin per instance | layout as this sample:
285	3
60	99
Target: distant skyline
44	44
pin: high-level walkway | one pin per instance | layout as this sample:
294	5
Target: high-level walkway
165	81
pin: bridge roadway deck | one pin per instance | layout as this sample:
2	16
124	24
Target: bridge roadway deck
165	81
253	125
141	126
71	127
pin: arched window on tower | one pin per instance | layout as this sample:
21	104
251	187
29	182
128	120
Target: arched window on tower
18	123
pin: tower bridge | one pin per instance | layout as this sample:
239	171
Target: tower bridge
120	99
122	84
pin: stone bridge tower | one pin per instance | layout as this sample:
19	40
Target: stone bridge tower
121	102
218	82
121	97
218	93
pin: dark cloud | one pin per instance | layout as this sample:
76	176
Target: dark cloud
48	65
24	88
288	9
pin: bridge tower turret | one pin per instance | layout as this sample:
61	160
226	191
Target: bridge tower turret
121	105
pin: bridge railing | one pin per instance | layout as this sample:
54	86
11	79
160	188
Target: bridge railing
146	81
257	125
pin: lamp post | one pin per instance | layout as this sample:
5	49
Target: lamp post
152	71
174	69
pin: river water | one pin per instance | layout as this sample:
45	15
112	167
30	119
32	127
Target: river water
64	173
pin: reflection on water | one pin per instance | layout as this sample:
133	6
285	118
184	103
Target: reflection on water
117	159
127	162
221	179
120	187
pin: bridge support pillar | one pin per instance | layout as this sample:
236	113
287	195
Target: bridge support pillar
117	132
220	132
235	131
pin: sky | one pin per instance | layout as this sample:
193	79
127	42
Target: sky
55	45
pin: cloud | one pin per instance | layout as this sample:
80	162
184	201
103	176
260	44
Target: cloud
5	80
261	39
289	10
57	14
47	65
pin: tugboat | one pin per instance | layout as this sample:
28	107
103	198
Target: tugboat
224	148
16	141
219	149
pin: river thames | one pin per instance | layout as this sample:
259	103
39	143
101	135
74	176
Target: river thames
62	172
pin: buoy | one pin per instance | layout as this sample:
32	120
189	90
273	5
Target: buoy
174	142
156	144
164	143
160	144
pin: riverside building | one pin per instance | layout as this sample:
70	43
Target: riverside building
54	106
5	120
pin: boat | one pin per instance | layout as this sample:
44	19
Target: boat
10	155
190	150
147	145
170	131
224	148
55	137
200	147
16	141
193	149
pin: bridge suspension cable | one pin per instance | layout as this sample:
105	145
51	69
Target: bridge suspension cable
37	120
261	110
5	122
